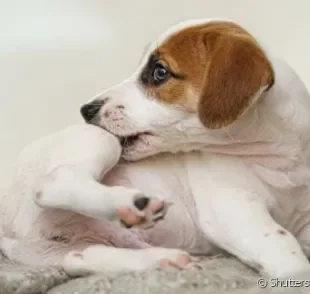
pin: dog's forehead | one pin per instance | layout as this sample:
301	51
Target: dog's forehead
174	30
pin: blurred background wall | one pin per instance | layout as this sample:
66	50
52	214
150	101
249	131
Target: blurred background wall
56	54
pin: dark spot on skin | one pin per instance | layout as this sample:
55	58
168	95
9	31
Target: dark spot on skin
78	255
61	238
107	114
266	235
281	232
293	252
39	195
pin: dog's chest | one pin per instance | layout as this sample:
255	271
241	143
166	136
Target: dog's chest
162	176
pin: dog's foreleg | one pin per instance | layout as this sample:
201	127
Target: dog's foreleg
243	227
233	213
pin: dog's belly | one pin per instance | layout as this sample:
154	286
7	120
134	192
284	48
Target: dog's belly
165	176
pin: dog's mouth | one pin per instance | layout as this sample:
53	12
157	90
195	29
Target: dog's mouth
130	140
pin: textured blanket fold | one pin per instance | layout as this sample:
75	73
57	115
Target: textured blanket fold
214	275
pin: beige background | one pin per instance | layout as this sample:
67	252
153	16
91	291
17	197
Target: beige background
56	54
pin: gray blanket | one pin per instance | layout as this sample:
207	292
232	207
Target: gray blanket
221	274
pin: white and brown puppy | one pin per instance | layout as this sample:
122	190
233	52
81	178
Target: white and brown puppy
205	87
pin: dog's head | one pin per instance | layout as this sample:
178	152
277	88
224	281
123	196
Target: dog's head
196	80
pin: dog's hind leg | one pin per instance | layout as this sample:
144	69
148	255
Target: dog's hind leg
99	258
57	233
38	252
67	187
85	258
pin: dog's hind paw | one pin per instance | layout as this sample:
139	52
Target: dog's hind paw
144	213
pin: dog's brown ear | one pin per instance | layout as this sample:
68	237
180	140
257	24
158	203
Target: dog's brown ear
237	69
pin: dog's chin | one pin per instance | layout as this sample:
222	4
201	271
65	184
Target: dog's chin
139	146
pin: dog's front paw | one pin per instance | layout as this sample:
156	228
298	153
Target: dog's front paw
143	213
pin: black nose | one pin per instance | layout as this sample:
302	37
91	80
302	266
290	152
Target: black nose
90	110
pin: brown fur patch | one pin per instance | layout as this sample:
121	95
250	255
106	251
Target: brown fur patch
223	68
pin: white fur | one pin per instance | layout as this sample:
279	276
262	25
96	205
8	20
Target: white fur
243	189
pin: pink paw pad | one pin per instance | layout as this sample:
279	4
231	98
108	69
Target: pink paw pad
145	214
183	261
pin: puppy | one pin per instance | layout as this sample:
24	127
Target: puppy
210	122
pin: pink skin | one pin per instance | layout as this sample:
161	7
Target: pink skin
181	263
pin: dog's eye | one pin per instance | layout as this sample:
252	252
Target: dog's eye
155	73
160	73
